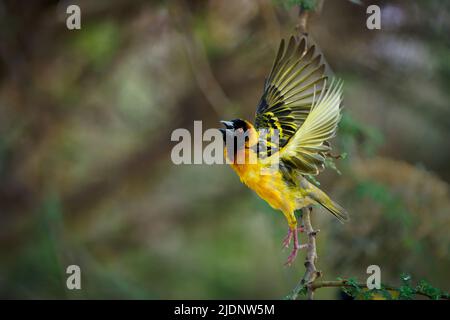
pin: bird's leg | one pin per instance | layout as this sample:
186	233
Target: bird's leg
287	239
294	251
296	247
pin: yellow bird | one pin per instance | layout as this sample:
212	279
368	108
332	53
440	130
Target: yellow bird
302	110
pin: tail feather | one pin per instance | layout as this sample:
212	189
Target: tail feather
323	199
335	209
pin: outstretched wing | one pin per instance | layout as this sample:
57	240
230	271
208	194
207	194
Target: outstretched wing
307	149
297	76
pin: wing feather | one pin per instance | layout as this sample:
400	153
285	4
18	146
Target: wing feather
305	151
297	75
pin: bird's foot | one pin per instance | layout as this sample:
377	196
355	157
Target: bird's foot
291	257
293	254
288	238
297	246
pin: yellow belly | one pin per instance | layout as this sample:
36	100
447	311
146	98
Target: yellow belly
270	187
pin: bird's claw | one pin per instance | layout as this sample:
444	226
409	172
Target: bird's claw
291	257
287	240
293	254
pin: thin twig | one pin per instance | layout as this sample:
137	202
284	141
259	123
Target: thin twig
308	281
303	17
345	284
302	25
311	273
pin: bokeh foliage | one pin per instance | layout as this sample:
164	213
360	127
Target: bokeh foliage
85	170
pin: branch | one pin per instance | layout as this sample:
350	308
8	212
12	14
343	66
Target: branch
347	284
308	283
303	16
311	273
301	27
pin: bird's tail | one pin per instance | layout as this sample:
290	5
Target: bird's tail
335	209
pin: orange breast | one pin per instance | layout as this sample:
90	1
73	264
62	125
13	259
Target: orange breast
269	187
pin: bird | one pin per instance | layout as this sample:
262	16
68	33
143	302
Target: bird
297	114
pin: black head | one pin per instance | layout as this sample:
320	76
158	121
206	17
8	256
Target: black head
235	127
235	135
235	124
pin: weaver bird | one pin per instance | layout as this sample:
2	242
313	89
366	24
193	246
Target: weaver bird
304	110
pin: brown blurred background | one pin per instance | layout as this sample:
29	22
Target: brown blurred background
85	170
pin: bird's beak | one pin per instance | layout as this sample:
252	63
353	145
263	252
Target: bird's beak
227	124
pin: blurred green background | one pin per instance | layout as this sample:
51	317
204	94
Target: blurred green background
85	170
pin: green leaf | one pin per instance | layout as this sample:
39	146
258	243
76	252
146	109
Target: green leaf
367	295
329	163
386	294
406	279
354	290
406	293
312	179
425	287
